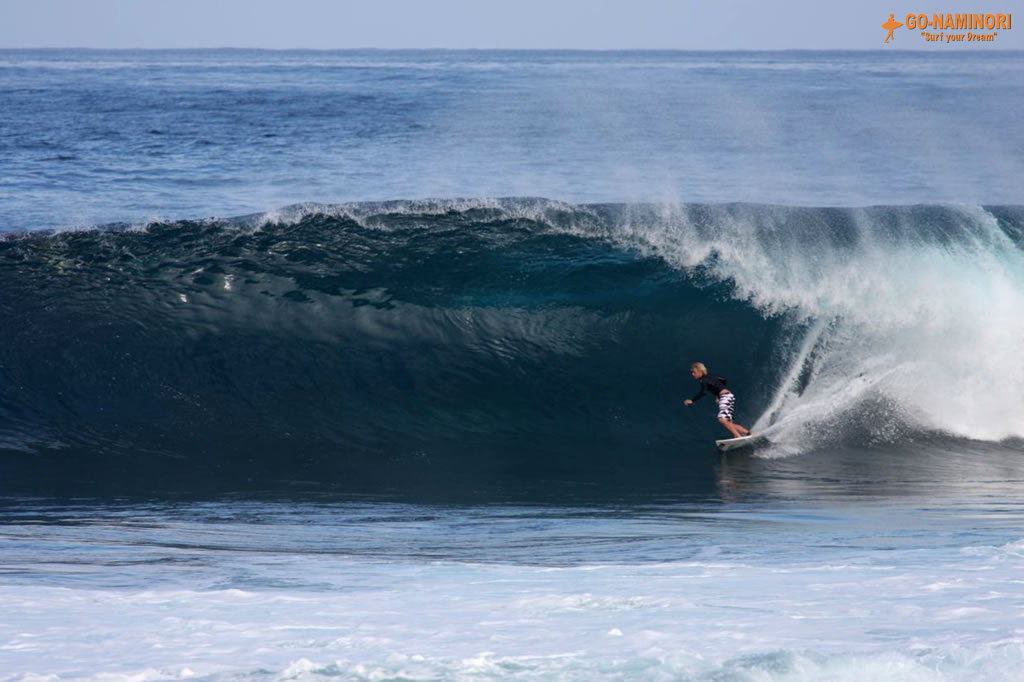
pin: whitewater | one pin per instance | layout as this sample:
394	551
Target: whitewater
370	365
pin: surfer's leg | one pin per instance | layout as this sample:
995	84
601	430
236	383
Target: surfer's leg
732	428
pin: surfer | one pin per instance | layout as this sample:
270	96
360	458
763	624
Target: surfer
724	397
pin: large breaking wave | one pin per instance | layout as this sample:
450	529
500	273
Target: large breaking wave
514	336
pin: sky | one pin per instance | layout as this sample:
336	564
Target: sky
484	24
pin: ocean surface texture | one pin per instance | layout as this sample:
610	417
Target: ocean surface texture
370	366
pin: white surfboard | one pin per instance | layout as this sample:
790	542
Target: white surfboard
733	443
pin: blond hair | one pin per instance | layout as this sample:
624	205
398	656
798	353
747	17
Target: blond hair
699	366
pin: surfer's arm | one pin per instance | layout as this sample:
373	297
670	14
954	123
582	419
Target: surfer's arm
700	394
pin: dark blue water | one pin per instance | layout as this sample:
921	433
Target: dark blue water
371	365
103	136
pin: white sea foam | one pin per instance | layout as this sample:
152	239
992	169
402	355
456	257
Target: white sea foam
158	598
881	619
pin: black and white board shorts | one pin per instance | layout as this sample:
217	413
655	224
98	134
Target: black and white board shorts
726	406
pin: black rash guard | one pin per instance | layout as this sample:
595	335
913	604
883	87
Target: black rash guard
709	384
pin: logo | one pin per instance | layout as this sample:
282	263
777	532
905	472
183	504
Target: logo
950	27
890	26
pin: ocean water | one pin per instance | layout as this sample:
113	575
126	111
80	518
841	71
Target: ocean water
370	365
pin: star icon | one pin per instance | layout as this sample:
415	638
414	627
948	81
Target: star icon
890	26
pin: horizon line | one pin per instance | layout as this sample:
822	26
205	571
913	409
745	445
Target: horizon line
516	49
